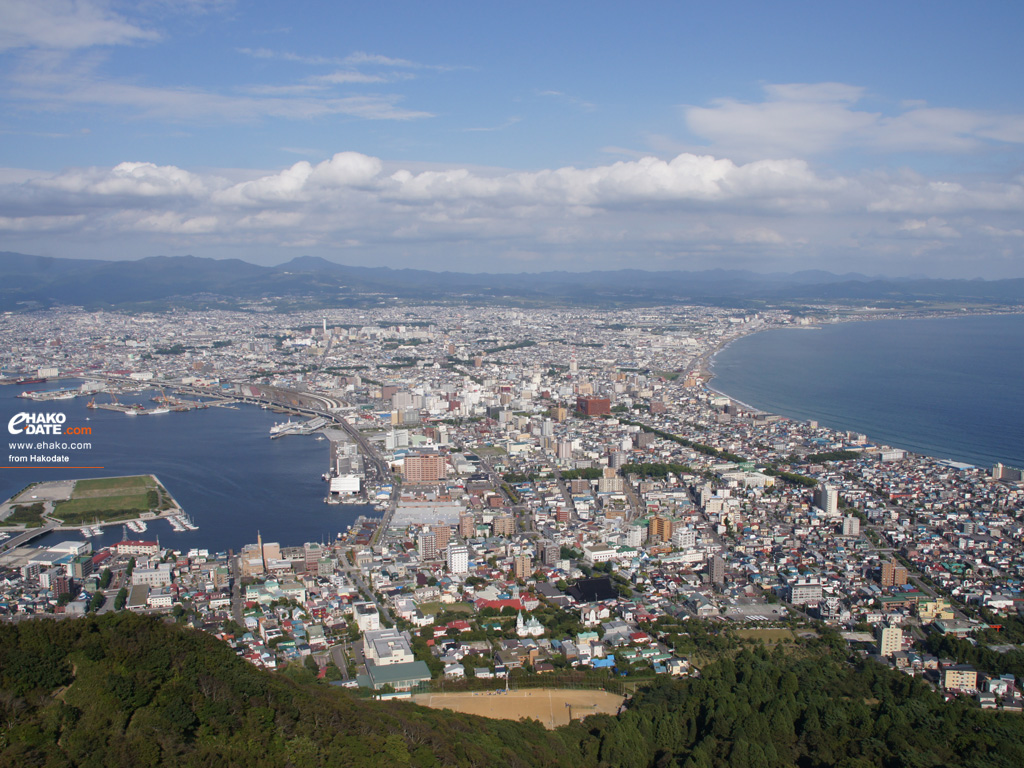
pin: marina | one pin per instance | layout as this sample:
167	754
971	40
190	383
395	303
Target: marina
225	506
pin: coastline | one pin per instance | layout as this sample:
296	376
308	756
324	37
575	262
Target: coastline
913	443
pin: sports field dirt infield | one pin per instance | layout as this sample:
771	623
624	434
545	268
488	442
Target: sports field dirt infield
551	706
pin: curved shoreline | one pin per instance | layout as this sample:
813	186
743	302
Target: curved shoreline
940	453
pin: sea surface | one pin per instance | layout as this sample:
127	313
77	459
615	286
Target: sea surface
949	388
219	464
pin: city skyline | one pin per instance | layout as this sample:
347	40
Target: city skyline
493	140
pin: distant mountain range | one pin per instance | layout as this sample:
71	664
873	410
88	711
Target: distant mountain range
28	282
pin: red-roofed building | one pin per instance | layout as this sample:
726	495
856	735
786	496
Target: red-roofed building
99	557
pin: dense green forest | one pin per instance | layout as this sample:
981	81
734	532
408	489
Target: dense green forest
129	690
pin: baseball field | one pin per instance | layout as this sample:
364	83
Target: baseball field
551	706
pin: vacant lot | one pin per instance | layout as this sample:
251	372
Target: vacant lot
551	706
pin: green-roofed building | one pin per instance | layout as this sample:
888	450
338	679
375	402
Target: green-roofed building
401	677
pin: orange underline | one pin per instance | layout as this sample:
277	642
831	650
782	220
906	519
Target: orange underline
50	466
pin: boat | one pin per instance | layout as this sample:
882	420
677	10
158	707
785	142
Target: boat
158	409
30	381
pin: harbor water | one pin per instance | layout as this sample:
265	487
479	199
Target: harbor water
218	463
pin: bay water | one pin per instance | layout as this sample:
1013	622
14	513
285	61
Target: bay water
218	463
944	387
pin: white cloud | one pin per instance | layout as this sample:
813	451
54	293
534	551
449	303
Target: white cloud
648	212
132	179
40	223
931	227
64	25
801	119
61	89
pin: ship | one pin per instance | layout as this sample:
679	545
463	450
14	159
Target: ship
30	381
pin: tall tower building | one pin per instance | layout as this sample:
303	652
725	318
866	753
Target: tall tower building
458	558
890	640
523	566
716	569
442	533
826	498
428	545
659	529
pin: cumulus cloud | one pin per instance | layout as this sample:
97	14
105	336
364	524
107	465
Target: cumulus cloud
132	179
648	211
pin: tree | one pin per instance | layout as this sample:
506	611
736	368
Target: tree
121	599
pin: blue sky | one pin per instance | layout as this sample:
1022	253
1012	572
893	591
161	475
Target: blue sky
883	138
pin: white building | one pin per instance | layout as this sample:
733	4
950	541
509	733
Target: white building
597	553
458	558
387	646
367	618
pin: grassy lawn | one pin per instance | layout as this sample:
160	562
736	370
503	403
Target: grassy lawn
114	507
111	498
106	486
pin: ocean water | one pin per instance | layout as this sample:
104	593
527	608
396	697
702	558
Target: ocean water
949	388
219	464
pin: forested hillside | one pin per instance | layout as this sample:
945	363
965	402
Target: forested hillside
133	691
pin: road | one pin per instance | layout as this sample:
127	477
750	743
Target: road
357	577
27	536
236	592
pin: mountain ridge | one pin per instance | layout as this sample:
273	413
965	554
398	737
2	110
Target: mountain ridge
29	282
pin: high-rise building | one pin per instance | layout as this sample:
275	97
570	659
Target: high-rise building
424	468
594	406
503	525
1009	474
428	545
685	538
851	526
523	566
805	591
550	553
458	558
826	498
579	485
890	640
442	534
659	529
467	526
716	569
893	574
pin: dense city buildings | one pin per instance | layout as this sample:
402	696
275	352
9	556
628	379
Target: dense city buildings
561	477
